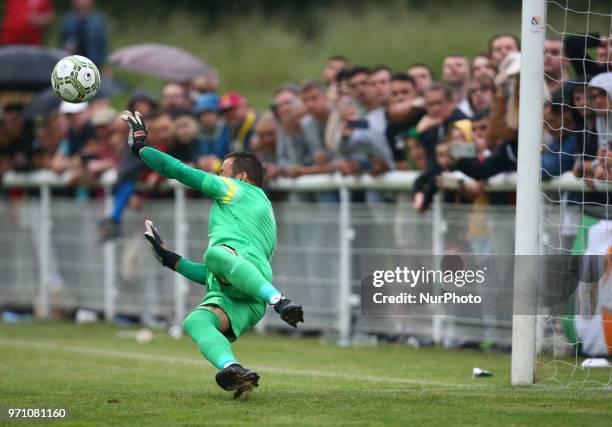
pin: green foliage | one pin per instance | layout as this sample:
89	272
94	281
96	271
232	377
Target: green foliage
254	54
259	45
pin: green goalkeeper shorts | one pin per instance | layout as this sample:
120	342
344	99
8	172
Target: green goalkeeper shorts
243	311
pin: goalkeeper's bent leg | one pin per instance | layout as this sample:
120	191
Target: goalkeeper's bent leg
240	273
202	326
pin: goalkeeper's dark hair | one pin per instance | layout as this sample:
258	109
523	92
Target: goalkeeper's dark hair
249	163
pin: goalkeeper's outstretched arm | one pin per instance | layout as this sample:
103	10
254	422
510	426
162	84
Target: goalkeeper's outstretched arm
212	186
194	271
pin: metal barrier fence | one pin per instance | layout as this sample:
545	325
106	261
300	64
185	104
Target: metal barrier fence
54	260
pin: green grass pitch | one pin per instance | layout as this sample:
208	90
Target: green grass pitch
103	377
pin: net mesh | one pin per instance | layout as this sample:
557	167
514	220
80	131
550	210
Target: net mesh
577	220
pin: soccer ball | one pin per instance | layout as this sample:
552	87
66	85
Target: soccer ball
75	79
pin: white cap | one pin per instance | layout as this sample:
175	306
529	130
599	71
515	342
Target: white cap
602	81
103	115
71	108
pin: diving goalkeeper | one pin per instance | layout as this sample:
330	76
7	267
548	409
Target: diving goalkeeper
236	269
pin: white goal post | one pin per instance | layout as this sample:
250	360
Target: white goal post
527	229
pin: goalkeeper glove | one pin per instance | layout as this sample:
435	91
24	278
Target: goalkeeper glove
137	138
164	256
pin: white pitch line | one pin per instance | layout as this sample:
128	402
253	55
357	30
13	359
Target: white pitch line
91	351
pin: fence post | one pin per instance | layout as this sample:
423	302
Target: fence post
45	240
437	245
345	272
180	240
110	263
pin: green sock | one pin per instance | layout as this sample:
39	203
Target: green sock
203	327
241	274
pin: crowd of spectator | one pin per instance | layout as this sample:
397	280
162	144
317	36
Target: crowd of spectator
457	128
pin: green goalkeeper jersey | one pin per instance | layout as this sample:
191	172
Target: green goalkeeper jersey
241	216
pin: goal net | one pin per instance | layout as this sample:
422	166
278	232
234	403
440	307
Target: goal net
574	344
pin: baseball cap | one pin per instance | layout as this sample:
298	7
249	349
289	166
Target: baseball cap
208	101
103	116
232	100
71	108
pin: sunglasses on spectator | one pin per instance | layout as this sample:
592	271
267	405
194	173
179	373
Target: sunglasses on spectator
481	128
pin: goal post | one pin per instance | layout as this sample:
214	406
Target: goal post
527	229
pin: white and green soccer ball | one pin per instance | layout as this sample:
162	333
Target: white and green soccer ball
75	79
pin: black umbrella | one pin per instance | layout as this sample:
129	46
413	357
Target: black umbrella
26	67
44	102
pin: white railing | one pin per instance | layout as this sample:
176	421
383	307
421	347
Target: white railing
396	181
392	181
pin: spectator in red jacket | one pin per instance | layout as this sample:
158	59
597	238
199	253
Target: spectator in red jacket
24	21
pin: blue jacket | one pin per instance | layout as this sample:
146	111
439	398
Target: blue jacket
558	157
85	36
217	144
